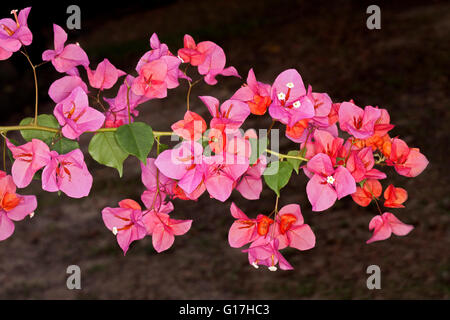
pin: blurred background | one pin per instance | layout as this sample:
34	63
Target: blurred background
404	67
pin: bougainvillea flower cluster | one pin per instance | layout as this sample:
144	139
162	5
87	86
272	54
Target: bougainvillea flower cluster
340	147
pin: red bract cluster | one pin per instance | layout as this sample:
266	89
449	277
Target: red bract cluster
341	147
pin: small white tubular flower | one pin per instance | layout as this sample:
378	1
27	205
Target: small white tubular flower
255	265
182	61
330	179
32	215
281	96
114	231
273	268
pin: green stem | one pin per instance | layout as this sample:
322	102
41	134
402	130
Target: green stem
5	129
128	104
285	156
189	92
4	154
35	87
54	130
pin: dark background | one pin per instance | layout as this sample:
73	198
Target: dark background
403	67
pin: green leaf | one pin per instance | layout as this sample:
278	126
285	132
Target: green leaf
136	138
361	183
204	141
105	150
45	120
277	175
64	145
258	146
163	147
38	175
295	163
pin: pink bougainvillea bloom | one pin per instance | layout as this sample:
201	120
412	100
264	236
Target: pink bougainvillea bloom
222	173
157	185
323	142
291	230
360	164
105	76
322	106
386	224
408	162
14	33
190	53
161	51
65	58
173	71
75	116
151	81
191	127
117	114
243	230
29	158
226	119
162	228
327	183
290	103
264	251
298	132
63	87
250	184
356	121
395	197
125	96
183	164
178	193
382	125
232	113
125	222
234	142
363	196
158	50
256	94
67	173
208	57
13	207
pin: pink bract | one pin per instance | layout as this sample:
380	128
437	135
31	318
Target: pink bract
65	58
14	33
386	224
76	116
327	184
13	207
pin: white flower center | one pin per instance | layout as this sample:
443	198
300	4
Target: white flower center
273	268
290	85
114	231
281	96
254	264
296	104
330	179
